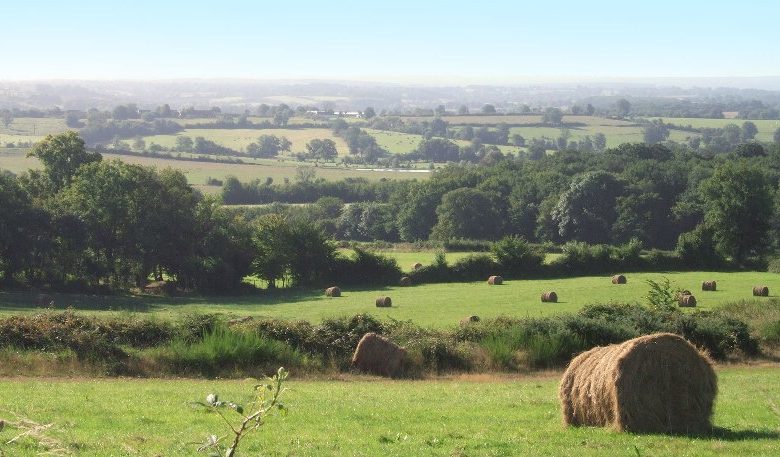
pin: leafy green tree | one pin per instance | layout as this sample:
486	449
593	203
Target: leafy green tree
738	209
19	222
749	131
552	116
463	213
655	132
322	149
623	107
369	113
599	141
776	136
184	144
282	115
586	210
516	255
268	146
463	110
61	156
488	109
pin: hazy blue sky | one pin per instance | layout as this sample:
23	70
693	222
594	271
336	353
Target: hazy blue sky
391	40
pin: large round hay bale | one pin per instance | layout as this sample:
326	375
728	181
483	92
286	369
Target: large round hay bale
687	301
652	384
378	355
709	286
417	266
495	280
333	292
549	297
469	320
761	291
384	302
406	281
618	279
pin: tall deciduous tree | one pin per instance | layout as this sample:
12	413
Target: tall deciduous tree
586	210
738	209
62	155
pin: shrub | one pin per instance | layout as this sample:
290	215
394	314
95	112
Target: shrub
516	256
366	268
697	248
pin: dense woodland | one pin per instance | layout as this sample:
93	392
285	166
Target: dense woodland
82	222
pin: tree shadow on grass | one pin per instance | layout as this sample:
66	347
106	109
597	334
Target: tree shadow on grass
29	301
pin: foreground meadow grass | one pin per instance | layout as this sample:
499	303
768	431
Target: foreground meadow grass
468	416
432	305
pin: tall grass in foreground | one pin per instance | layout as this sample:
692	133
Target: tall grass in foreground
222	350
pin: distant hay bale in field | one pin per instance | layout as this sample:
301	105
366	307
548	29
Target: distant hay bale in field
657	383
44	300
618	279
384	302
710	286
761	291
333	292
469	320
378	355
682	294
495	280
417	266
687	301
549	297
406	281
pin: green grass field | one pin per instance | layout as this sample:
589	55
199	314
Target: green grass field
766	127
15	160
29	129
432	305
462	416
238	139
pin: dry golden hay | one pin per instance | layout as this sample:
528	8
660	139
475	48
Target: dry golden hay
384	302
417	266
378	355
618	279
761	291
549	297
710	286
657	383
406	281
333	292
495	280
688	301
469	319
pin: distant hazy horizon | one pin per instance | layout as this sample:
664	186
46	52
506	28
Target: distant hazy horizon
433	42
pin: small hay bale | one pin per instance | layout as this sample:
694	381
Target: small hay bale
709	286
683	293
618	279
687	301
495	280
549	297
656	383
384	302
378	355
417	266
406	281
761	291
469	320
333	292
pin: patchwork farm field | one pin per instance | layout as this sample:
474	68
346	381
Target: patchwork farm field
479	415
197	173
766	127
430	305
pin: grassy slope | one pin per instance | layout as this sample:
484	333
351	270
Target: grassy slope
475	417
436	305
766	127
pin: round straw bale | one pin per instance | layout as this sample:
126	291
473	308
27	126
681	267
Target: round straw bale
406	281
469	319
549	297
688	301
378	355
618	279
709	286
333	292
495	280
657	383
761	291
384	302
417	266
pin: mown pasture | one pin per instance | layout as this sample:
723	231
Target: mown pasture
766	127
470	415
430	305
